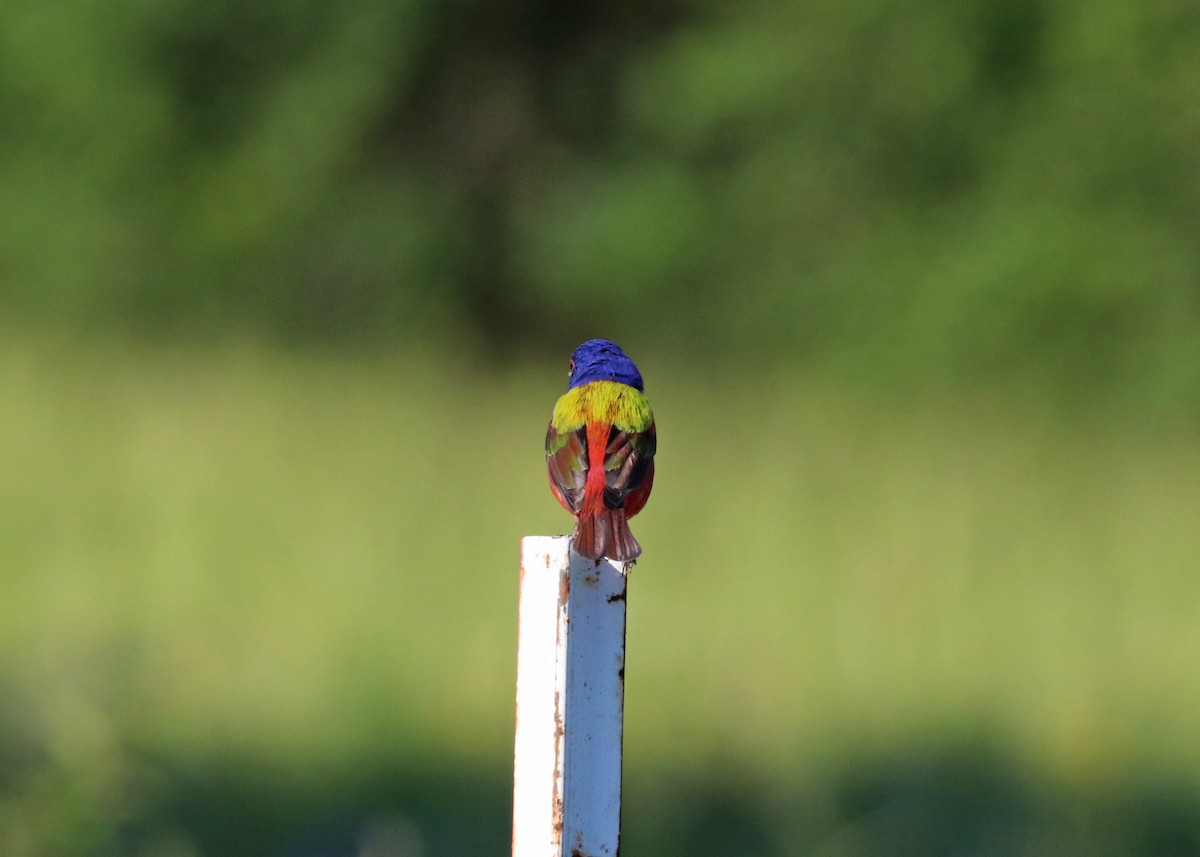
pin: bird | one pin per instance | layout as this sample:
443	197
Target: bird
600	449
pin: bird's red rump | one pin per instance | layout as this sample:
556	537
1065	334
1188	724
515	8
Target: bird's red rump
593	492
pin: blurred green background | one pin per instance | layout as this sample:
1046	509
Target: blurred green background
286	296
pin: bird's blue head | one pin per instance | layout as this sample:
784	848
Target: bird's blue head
601	360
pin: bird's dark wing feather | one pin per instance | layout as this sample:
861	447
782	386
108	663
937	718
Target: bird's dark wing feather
628	457
567	463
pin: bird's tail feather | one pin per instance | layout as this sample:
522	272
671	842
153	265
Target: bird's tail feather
622	547
606	535
591	536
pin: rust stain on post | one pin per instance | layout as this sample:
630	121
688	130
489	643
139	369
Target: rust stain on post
556	811
578	851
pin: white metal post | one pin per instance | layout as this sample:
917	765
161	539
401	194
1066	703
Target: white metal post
570	703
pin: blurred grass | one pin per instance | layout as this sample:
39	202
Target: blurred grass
305	563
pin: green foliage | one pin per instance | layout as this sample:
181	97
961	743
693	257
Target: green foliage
917	192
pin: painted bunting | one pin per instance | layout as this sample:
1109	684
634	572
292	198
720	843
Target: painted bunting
600	450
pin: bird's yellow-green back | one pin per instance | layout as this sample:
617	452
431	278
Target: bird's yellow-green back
607	402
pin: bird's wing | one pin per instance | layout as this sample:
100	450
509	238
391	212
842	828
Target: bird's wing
628	458
566	464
